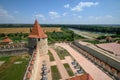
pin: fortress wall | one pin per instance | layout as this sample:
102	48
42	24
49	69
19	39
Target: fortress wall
12	52
100	56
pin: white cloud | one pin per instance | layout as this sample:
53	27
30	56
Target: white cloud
79	16
66	6
40	16
82	5
54	14
64	14
100	17
94	17
109	16
5	16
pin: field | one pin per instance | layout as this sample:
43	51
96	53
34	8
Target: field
14	67
27	30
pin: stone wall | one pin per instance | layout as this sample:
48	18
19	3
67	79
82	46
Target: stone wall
10	52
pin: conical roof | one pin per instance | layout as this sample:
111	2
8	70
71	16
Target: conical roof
37	31
6	39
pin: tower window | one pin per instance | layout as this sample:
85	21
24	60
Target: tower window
38	39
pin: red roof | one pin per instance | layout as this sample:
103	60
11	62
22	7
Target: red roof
82	77
6	39
37	31
28	75
31	67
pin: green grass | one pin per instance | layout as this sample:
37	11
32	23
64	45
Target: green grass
62	53
51	56
69	70
55	73
92	41
6	58
11	71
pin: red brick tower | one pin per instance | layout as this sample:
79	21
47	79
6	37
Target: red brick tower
37	38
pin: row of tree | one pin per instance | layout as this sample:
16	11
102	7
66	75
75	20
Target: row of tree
94	28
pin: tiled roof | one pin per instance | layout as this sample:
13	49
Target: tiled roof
37	31
28	75
6	39
82	77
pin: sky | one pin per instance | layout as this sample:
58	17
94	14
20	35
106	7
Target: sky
60	11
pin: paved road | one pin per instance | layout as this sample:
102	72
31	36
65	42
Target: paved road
90	68
81	34
60	66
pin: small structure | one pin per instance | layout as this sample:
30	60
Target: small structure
109	39
7	40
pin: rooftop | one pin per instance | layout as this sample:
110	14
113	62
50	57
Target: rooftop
6	39
112	47
37	31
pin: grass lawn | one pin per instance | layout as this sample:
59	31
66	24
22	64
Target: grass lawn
51	56
6	58
62	53
69	70
11	71
55	73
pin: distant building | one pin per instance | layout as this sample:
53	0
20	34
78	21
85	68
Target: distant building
37	38
7	40
109	39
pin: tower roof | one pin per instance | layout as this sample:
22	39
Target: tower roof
37	31
7	39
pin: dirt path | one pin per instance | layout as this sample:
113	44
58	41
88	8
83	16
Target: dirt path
60	66
90	68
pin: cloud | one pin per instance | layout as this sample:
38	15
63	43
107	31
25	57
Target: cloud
109	16
79	16
64	14
82	5
5	16
53	14
105	19
100	17
94	17
40	16
67	6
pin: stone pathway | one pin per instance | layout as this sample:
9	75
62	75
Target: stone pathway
39	71
60	66
90	68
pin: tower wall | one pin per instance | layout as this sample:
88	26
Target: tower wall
32	42
42	46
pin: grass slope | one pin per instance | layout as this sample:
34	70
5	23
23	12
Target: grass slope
11	71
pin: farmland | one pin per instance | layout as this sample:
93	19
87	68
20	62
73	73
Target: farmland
27	30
